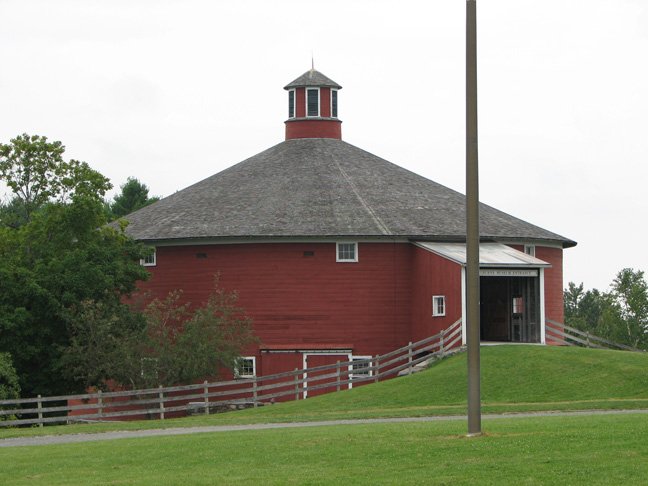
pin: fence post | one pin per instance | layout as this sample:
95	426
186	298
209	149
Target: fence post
442	344
99	404
161	399
587	334
337	373
206	392
409	358
296	384
254	390
377	370
40	411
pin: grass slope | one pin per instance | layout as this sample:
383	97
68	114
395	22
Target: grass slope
514	378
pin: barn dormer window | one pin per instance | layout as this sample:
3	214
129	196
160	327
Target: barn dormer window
334	110
291	103
312	102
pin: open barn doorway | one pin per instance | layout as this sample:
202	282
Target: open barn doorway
510	309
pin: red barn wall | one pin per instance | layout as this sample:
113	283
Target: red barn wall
554	305
300	102
325	102
433	275
313	128
298	299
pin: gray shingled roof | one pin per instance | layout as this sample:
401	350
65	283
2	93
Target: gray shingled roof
317	188
312	78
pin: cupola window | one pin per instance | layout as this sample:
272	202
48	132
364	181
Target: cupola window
291	103
312	102
334	111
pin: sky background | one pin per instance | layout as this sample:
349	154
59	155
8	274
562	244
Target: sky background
171	92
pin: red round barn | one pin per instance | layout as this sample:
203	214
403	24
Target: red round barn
337	254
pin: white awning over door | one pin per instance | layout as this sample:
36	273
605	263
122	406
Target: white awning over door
491	255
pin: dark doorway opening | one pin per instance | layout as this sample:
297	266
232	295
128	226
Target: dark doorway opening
510	309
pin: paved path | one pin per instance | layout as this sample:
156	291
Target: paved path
130	434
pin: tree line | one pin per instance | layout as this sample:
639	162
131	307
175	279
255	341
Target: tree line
619	315
70	312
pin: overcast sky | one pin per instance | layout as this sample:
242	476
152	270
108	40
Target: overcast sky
171	92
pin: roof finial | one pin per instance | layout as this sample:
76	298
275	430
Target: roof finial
312	61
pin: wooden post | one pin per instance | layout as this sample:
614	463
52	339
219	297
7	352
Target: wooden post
377	370
99	404
337	373
296	384
442	343
472	225
254	390
206	392
409	358
161	399
40	411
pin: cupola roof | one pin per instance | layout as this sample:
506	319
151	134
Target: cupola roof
313	78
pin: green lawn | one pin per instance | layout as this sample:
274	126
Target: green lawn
514	379
544	450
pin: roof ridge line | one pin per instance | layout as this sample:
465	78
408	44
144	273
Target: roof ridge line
385	230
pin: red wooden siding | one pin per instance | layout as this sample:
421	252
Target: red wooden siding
300	102
325	102
554	308
307	128
433	275
298	299
272	363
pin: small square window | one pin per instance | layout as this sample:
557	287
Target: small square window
360	367
347	252
149	260
312	102
438	305
245	367
529	250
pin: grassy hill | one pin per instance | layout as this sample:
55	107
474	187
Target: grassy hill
515	378
549	450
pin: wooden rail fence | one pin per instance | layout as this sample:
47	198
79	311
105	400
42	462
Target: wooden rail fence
575	337
162	401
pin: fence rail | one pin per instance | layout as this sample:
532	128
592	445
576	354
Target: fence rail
575	337
161	401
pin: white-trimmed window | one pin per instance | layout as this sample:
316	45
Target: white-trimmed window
334	103
529	250
245	367
438	305
360	367
312	102
149	260
346	252
291	103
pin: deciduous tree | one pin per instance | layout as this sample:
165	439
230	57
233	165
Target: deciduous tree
134	195
34	169
60	255
175	344
620	315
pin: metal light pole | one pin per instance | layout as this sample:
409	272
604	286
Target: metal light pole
472	223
